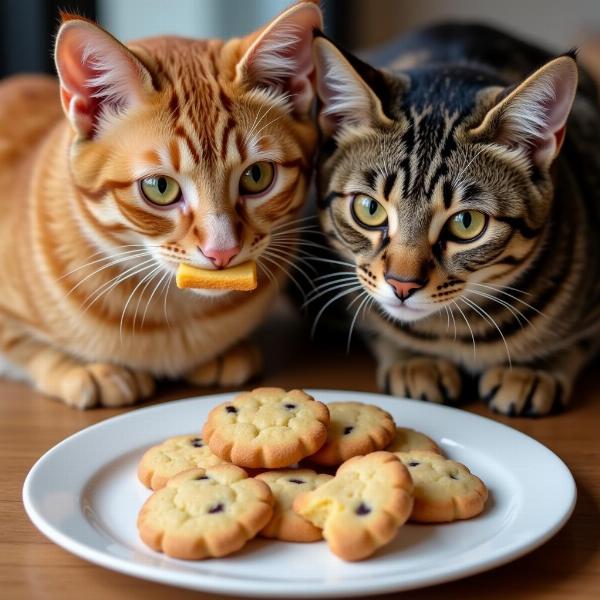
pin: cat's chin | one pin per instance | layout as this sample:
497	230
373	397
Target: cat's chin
402	312
214	294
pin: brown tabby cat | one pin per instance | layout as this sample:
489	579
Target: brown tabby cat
172	149
468	240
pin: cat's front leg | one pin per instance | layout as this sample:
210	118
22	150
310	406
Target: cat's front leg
405	374
533	390
58	374
234	367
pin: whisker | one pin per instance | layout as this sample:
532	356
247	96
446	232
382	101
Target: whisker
483	313
289	252
366	296
115	281
287	272
457	178
336	274
148	275
499	291
111	264
278	118
297	220
332	261
469	326
329	302
518	315
104	258
280	256
167	288
313	296
156	287
268	273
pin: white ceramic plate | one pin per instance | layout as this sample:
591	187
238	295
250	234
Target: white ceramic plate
84	495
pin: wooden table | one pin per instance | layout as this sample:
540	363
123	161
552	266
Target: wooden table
568	566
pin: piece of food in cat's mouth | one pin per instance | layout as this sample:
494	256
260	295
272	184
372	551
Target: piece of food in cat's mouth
241	277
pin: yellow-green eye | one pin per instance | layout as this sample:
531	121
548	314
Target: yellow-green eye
257	178
368	212
466	225
160	189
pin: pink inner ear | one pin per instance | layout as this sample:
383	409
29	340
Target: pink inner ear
559	136
282	57
96	72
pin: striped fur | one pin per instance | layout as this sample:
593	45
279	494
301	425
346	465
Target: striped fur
456	125
88	305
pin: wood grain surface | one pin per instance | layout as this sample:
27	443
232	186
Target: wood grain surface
568	566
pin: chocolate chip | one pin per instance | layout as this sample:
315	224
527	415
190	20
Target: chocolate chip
362	509
217	508
231	409
413	463
298	481
290	406
348	429
197	443
202	477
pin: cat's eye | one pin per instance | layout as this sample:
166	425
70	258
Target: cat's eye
368	212
257	178
160	190
466	225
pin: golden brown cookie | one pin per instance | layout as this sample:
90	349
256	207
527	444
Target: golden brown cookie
267	427
205	512
285	485
355	428
173	456
407	439
445	490
362	507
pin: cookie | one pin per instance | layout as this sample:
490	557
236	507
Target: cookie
354	429
407	439
445	490
362	507
173	456
285	485
241	277
267	427
205	512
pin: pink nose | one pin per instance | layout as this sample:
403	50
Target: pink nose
404	288
220	257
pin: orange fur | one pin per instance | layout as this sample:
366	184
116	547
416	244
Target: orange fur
72	204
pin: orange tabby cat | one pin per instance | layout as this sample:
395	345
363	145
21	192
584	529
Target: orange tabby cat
171	150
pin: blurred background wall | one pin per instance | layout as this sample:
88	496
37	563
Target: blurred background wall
28	26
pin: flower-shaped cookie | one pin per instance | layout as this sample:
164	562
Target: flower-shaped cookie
267	427
205	512
362	507
285	485
173	456
407	439
445	490
355	428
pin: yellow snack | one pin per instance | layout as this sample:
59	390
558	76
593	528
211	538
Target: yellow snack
241	277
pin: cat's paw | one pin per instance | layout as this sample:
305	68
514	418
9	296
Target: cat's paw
424	378
105	385
233	368
521	391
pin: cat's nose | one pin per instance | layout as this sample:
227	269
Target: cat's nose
221	257
404	288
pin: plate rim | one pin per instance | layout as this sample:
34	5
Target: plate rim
222	585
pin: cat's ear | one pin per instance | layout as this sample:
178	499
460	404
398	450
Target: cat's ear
346	88
280	58
533	116
97	74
